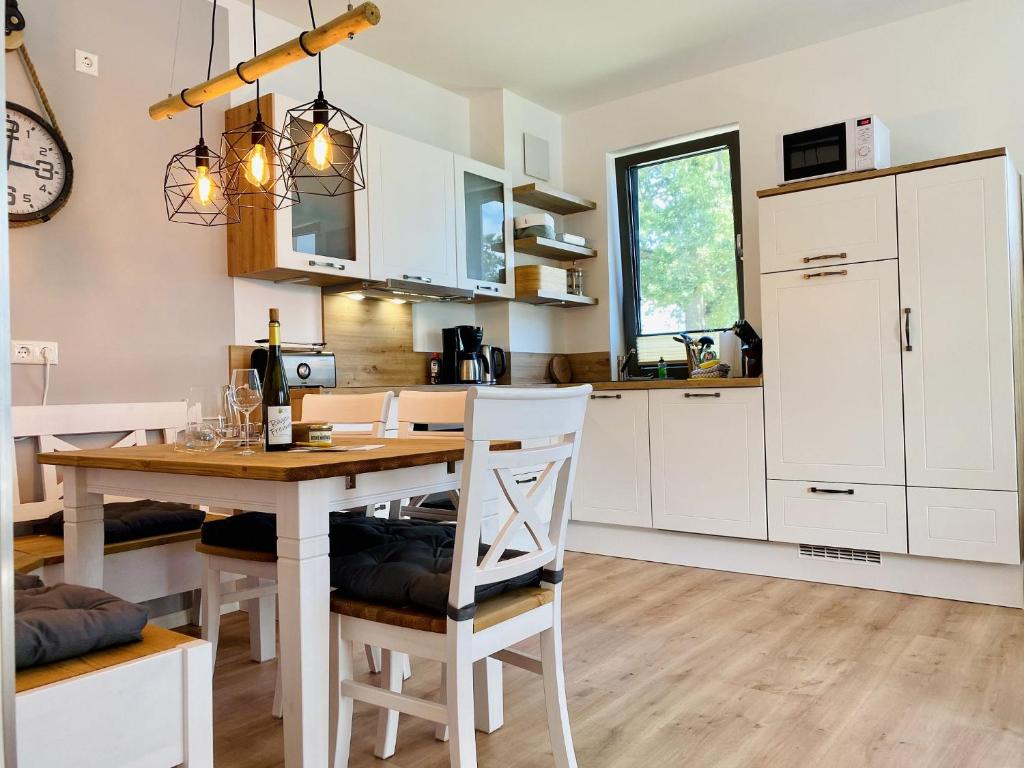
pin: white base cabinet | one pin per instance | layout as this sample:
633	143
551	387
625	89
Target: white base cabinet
964	525
838	515
707	461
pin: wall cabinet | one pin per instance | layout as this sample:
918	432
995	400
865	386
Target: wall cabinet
833	396
829	226
483	229
707	461
957	361
319	241
411	210
613	482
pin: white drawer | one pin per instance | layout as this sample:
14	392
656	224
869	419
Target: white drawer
817	227
838	514
964	525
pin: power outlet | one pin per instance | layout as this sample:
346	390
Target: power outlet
33	352
86	62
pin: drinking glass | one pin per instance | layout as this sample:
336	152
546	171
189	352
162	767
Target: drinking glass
247	395
202	418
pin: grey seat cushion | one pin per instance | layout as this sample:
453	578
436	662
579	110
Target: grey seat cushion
66	621
26	581
131	520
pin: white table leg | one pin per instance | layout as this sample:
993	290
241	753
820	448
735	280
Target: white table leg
83	531
303	570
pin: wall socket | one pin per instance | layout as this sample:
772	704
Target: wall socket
86	62
31	352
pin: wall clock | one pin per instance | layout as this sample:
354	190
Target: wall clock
39	169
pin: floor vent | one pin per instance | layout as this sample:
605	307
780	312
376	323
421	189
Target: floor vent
840	553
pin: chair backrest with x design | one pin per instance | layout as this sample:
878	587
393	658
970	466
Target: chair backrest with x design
549	425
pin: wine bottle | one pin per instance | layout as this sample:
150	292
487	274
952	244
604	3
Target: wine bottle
277	404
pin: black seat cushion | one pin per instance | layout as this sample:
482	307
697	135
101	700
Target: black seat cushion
349	532
66	621
412	573
131	520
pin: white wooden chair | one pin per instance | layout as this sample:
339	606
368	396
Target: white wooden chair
135	574
351	414
144	704
473	632
419	408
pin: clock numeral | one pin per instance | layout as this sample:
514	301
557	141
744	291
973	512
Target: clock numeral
44	151
44	170
12	130
26	198
12	195
44	190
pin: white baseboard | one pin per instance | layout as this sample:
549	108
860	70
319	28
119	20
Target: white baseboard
933	577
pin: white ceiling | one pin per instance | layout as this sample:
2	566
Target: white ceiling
570	54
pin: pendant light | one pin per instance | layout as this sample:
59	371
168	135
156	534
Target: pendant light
322	144
252	166
194	189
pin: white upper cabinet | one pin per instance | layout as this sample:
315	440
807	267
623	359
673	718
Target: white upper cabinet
958	357
829	226
483	223
707	461
832	388
613	482
411	210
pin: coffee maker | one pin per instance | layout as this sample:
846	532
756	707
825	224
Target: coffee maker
462	361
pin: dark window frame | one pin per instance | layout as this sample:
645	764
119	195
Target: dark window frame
625	184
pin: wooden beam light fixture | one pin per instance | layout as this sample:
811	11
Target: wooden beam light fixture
309	43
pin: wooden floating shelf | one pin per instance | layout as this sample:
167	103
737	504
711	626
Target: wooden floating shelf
555	298
547	248
551	200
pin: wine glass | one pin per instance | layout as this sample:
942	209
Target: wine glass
201	418
247	395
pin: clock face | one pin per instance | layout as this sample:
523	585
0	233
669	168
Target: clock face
39	171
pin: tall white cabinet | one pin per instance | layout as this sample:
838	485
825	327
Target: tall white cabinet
891	333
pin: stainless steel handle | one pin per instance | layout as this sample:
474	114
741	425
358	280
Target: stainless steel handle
606	397
843	491
702	394
329	264
488	288
526	480
809	259
825	274
906	329
417	277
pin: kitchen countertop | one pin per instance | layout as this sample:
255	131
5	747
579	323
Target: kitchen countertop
675	384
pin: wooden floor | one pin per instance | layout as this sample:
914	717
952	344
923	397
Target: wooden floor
671	666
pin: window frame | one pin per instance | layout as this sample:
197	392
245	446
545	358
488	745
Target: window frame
625	186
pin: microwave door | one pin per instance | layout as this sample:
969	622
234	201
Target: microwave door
816	152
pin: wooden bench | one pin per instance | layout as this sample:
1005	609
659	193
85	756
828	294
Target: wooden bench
138	570
143	704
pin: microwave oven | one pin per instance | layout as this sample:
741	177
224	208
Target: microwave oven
858	144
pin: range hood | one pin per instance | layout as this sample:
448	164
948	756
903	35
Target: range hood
410	290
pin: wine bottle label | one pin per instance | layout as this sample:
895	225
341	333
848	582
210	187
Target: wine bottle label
279	425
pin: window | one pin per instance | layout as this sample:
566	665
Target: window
680	224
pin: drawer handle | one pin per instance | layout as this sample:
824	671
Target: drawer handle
606	397
487	288
906	329
702	394
846	492
825	274
526	480
417	277
328	264
809	259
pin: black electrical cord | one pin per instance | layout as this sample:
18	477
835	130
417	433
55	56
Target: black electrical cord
319	56
209	62
259	116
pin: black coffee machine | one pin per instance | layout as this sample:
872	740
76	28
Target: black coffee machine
461	359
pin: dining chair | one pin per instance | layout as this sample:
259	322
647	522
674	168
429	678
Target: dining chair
351	414
417	408
470	630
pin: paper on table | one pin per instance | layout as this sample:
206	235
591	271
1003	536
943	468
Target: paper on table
313	449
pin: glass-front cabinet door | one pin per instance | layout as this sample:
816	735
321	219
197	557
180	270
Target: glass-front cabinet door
484	229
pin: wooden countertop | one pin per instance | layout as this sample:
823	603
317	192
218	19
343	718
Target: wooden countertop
673	384
846	178
280	466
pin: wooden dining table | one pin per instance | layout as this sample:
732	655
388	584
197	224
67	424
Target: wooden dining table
301	489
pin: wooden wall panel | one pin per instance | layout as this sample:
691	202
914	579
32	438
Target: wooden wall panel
590	366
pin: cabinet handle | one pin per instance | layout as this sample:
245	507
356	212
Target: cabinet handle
846	491
809	259
526	480
417	277
906	329
488	288
702	394
329	264
825	274
606	397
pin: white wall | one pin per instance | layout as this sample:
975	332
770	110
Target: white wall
945	82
